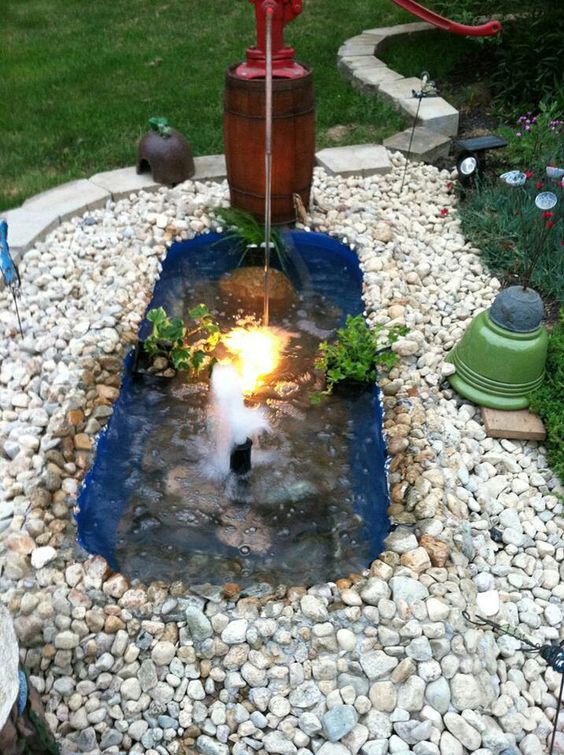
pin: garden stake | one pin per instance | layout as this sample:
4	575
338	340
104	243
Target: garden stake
10	272
428	89
552	654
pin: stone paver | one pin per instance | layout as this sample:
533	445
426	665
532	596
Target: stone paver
401	29
369	80
122	182
210	168
357	159
396	91
427	146
26	226
435	114
70	199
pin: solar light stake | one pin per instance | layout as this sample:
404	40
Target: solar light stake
428	89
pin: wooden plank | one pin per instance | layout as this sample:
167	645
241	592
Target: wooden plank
520	425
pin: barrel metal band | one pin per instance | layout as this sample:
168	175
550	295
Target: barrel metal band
260	117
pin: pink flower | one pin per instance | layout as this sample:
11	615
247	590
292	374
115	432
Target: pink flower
549	224
443	212
547	214
538	185
528	174
518	133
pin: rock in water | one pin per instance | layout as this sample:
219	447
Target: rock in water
246	284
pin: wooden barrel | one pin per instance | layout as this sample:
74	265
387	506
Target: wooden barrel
293	143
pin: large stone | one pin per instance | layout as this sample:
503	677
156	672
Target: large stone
246	284
437	694
383	696
277	742
461	729
338	721
377	664
465	691
198	623
417	560
210	746
405	588
411	694
437	550
401	540
305	696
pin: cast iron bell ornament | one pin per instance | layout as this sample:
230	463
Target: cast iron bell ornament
166	153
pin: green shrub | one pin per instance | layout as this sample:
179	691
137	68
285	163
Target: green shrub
526	62
536	140
547	400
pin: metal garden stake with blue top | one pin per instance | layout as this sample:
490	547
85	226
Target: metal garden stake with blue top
9	270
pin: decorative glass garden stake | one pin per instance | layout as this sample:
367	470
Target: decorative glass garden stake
10	272
552	654
428	89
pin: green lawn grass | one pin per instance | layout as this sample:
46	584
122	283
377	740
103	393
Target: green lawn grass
80	79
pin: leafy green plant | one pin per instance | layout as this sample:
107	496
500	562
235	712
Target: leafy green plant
161	126
357	353
246	232
547	400
187	350
536	140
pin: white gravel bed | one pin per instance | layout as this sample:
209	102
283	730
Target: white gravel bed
376	663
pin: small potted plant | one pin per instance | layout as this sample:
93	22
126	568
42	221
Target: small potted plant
351	363
172	348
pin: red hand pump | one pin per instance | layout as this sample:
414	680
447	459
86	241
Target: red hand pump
283	63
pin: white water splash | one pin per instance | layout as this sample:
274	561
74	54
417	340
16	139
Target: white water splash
230	421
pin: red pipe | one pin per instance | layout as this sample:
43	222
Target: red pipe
482	30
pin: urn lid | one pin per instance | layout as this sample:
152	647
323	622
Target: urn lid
517	309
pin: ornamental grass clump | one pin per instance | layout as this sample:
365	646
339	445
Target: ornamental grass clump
516	222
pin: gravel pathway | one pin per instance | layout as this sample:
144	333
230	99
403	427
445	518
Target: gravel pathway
376	663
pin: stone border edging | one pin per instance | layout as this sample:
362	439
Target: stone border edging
357	60
42	213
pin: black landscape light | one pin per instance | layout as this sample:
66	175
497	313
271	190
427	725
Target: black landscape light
471	158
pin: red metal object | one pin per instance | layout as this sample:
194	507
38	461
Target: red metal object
482	30
283	63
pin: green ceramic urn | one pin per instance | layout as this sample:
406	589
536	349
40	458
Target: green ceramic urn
500	359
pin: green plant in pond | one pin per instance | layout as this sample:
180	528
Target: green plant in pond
188	350
245	232
547	400
357	353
